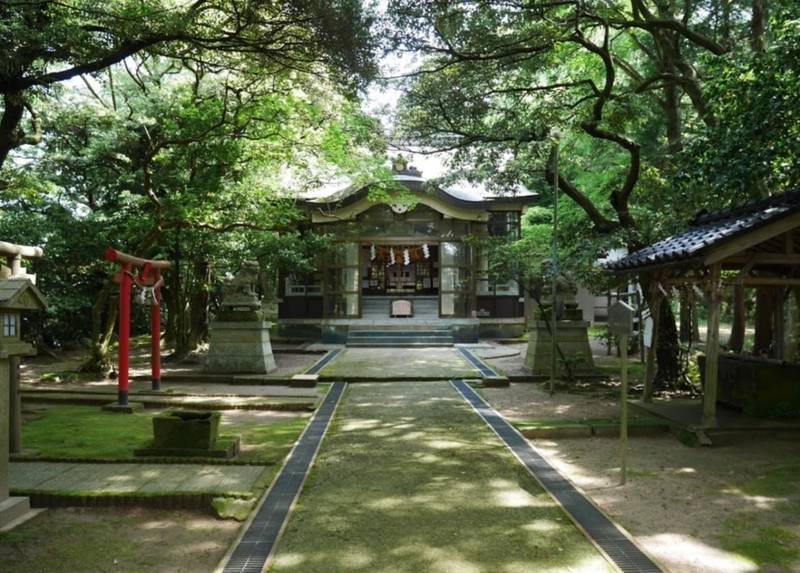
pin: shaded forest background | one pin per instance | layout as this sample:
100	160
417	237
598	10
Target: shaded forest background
186	132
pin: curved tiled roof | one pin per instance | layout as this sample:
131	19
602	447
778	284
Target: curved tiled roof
710	229
414	182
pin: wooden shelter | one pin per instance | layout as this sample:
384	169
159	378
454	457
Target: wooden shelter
755	245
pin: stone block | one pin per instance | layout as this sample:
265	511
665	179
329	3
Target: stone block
573	340
12	509
240	347
129	408
495	381
185	429
304	380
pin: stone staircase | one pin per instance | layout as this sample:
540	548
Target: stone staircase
400	335
379	307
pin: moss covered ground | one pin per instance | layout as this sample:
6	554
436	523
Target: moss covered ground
409	480
87	432
756	535
119	540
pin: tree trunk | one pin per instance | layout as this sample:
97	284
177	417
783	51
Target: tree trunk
736	340
686	316
13	109
104	318
765	315
667	349
758	25
198	306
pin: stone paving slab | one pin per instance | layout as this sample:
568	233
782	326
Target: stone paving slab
399	363
163	401
207	390
56	478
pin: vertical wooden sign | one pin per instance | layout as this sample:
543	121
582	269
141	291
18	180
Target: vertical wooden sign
620	323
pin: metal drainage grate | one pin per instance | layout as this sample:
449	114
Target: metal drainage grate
618	548
324	361
479	365
258	542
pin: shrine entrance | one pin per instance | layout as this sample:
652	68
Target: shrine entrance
400	270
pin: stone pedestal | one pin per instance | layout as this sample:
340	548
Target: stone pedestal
11	508
573	340
239	337
239	342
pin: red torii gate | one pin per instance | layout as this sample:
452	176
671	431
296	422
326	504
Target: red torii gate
148	276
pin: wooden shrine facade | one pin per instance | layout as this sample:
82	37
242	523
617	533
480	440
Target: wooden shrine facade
384	252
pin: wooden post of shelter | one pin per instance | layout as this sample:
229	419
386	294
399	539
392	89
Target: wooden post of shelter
712	347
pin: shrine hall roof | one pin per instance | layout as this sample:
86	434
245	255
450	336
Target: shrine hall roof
709	230
462	196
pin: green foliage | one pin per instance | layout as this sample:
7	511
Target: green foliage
753	149
175	161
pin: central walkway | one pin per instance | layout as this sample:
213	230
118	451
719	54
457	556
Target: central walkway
410	480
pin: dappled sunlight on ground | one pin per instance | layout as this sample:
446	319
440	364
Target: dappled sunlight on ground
531	401
400	362
116	539
734	507
428	488
685	553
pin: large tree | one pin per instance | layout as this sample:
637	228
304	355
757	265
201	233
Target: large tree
622	81
47	42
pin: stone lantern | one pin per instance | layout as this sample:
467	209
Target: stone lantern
17	295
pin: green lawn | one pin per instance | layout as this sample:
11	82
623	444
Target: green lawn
410	480
89	432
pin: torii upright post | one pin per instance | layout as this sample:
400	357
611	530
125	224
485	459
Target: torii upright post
149	275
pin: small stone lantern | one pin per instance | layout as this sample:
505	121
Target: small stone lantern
17	294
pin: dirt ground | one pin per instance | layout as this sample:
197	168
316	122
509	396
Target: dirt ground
32	370
531	401
115	539
731	508
695	510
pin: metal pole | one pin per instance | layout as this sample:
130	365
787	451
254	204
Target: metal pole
555	269
155	334
623	414
124	333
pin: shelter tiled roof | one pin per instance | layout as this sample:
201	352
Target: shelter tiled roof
709	230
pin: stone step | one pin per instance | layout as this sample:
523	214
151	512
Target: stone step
405	344
400	333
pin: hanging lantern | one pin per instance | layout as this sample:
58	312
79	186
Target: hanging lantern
372	253
425	251
391	256
406	257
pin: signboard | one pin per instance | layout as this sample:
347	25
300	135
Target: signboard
620	319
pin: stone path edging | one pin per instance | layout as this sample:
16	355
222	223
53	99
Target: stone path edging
479	365
609	537
254	548
324	361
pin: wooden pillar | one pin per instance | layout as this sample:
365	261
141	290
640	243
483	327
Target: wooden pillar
712	349
779	325
656	298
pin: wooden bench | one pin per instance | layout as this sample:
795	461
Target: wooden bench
402	308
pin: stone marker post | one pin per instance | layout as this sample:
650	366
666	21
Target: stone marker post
620	323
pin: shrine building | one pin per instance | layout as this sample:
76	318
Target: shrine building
405	271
